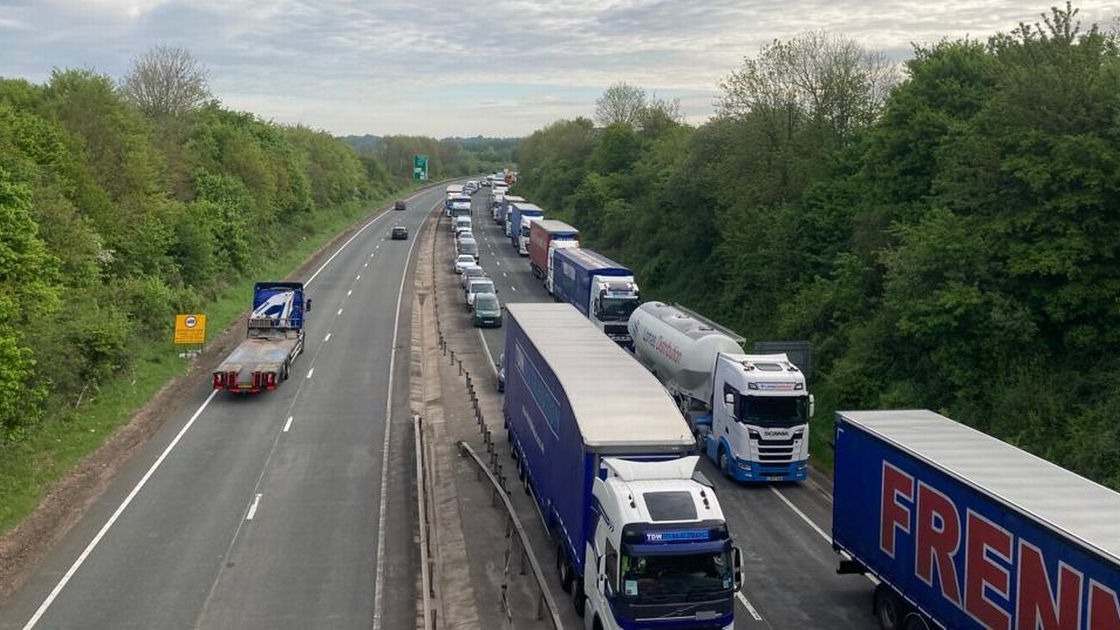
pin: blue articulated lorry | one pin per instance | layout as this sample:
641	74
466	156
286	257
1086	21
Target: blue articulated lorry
962	530
641	539
603	290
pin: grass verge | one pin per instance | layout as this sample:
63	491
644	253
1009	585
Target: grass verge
28	467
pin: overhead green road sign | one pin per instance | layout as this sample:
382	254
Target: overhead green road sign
420	167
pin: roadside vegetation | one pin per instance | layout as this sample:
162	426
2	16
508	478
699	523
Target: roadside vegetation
122	204
947	237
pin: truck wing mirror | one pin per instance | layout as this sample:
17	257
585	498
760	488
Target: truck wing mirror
812	406
737	567
729	399
307	305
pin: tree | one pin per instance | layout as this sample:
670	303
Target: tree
816	76
620	103
167	81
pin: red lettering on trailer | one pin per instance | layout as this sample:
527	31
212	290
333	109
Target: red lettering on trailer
1036	606
1104	609
895	515
937	540
982	573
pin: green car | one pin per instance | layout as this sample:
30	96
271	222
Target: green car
487	310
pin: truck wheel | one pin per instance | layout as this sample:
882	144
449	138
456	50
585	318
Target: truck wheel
579	600
889	608
564	569
724	463
915	621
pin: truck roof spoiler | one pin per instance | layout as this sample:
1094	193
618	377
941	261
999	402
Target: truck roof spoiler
630	470
707	322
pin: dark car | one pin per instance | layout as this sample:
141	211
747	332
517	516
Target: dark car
400	204
400	233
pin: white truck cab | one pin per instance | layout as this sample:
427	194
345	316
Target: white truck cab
661	549
760	422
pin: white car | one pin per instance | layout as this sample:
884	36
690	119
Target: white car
481	285
462	260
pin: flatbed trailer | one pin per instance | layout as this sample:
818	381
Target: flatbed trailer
275	338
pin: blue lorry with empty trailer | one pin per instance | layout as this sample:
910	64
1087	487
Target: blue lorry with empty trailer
962	530
600	446
275	338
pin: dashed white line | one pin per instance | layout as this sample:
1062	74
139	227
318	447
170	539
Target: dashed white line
505	275
253	507
513	288
365	265
358	278
743	598
327	338
820	532
798	512
310	372
350	292
288	424
339	311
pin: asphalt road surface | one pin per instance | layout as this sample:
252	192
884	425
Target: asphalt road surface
266	511
784	530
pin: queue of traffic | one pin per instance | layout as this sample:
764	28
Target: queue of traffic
956	528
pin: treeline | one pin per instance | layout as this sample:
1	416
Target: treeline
448	157
947	240
114	217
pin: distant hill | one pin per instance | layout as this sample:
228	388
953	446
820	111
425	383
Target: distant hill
368	144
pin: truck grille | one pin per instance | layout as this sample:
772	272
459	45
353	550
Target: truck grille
775	450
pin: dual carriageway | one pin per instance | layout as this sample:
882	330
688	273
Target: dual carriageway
295	509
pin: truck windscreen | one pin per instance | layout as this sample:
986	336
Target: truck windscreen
616	309
673	574
774	411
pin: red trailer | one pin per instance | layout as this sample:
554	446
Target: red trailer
546	235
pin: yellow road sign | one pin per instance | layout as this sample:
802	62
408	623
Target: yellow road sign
190	328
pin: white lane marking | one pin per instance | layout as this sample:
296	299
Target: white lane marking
820	532
310	372
113	519
253	507
805	518
327	338
358	278
505	275
288	424
343	246
365	265
486	347
746	603
371	254
498	263
379	580
350	292
513	288
339	311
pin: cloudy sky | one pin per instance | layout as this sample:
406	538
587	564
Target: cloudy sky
493	67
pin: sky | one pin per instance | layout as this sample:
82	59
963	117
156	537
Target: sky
470	67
